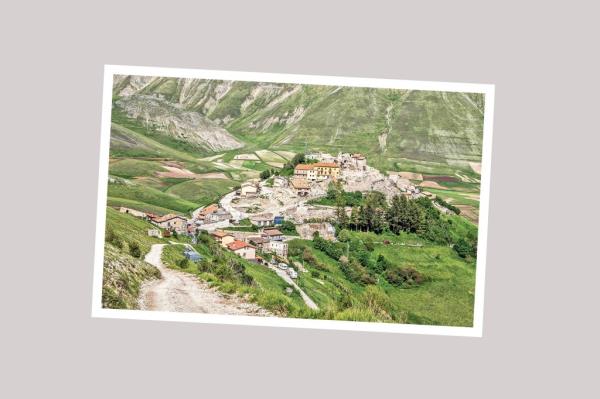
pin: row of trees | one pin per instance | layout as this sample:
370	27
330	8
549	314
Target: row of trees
418	216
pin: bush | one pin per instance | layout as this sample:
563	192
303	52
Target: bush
330	248
343	235
403	277
356	272
113	238
381	265
183	263
369	244
134	249
463	248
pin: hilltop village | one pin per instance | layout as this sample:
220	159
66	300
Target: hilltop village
257	219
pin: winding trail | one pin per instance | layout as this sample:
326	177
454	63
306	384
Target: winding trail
183	292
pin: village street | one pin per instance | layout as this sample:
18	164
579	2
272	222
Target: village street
282	273
177	291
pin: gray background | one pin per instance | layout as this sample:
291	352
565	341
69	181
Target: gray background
541	316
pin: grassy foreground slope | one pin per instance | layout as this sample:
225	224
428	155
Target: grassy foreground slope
123	273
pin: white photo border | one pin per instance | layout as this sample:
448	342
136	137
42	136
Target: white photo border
99	312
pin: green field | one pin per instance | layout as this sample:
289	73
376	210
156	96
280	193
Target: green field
202	192
151	196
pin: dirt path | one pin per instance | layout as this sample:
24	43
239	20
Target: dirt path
182	292
309	302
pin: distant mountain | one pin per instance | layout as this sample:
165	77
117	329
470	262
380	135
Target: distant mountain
386	124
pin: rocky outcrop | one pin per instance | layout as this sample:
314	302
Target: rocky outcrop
173	120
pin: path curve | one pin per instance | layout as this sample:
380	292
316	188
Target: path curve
183	292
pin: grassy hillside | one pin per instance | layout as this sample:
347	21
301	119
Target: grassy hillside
123	277
445	298
148	195
389	126
202	192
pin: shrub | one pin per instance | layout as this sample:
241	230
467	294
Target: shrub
183	263
134	249
343	235
463	248
113	238
403	277
381	265
369	244
356	272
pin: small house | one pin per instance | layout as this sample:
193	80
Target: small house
207	210
133	212
273	234
262	220
218	216
242	249
222	237
279	248
258	242
301	187
171	222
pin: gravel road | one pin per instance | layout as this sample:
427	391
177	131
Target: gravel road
183	292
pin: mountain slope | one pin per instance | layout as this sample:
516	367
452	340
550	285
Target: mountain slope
387	125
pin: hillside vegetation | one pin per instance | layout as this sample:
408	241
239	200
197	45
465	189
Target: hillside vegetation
387	125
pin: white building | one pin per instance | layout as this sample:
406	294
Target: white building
279	248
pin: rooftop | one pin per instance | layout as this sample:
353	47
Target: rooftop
272	232
300	184
237	244
209	209
326	165
220	234
303	166
168	217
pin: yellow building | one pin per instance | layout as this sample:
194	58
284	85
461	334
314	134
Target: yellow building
327	169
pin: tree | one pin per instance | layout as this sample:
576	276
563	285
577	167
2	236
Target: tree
265	174
343	235
340	212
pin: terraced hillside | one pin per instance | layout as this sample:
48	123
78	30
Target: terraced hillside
389	126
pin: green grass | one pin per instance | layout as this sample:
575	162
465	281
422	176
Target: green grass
131	229
140	206
129	168
267	290
158	139
256	165
446	298
125	142
151	196
202	192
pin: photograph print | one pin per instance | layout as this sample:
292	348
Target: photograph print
292	200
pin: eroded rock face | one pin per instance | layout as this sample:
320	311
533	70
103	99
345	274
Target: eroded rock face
175	121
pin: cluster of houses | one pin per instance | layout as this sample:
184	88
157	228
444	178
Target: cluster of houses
327	167
269	240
